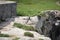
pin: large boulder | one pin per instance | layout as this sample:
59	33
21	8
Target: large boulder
45	24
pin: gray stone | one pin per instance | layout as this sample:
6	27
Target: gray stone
39	25
44	25
7	9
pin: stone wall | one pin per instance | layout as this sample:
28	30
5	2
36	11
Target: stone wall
7	9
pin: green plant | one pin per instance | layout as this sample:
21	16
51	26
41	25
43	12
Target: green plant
31	7
28	34
41	39
16	38
30	28
4	35
18	25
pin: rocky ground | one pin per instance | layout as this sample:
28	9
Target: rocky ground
16	32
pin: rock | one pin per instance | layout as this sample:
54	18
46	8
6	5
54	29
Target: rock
26	20
58	3
5	38
58	38
33	20
21	20
7	9
16	32
44	25
29	38
39	25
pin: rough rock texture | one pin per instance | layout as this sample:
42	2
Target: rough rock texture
26	21
5	38
7	9
8	28
45	24
16	32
